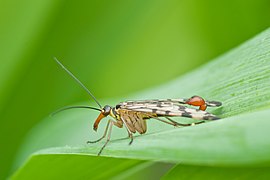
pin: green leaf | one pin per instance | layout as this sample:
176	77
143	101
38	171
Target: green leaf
60	166
201	172
240	79
218	143
85	166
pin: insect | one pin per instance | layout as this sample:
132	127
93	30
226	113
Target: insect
133	114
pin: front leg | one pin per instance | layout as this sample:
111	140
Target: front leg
106	130
108	127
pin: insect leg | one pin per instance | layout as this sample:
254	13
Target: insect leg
108	127
171	123
180	124
105	132
104	135
110	122
129	132
131	139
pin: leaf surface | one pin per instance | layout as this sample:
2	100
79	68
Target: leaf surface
240	79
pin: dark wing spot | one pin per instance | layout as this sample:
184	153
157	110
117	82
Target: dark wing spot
206	117
154	110
159	104
117	106
167	112
215	118
215	103
210	118
218	103
181	108
186	114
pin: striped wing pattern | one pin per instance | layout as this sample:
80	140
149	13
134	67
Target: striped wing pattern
176	101
169	107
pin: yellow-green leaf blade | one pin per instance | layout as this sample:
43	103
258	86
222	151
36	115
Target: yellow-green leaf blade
240	79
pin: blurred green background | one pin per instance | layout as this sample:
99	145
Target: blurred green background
114	47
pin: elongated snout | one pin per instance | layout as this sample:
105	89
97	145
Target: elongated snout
101	116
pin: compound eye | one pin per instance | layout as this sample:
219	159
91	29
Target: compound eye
106	110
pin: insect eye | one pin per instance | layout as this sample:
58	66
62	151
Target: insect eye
106	110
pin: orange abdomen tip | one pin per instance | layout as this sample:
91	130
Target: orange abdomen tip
197	101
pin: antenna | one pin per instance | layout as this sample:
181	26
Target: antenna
73	107
78	81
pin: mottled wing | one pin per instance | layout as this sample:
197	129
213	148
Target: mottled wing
166	108
175	101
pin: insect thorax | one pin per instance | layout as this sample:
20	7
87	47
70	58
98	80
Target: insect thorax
113	113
